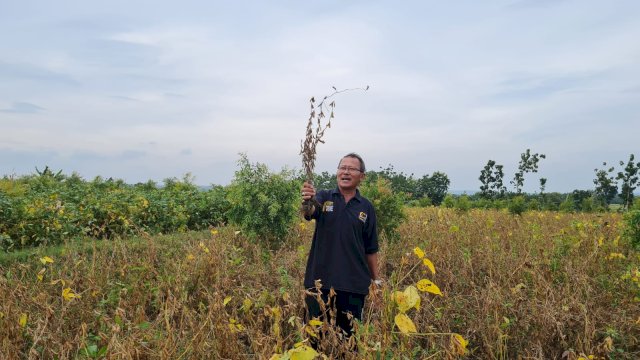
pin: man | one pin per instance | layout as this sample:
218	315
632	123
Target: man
344	249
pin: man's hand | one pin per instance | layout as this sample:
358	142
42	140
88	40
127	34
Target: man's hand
308	192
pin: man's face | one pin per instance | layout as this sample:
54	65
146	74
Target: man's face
349	175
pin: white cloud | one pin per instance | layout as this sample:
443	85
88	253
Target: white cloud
451	87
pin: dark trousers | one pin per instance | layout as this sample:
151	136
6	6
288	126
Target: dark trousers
344	302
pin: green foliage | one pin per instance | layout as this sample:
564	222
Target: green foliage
632	227
399	181
388	206
463	203
48	208
425	201
491	178
263	204
528	163
449	201
325	180
534	204
517	205
606	185
435	187
629	180
568	205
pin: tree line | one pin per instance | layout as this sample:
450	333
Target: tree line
611	186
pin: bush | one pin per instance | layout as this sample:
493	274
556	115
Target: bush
517	205
533	204
568	205
449	201
632	228
425	201
49	207
463	203
388	206
263	204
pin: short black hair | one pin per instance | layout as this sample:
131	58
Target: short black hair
355	156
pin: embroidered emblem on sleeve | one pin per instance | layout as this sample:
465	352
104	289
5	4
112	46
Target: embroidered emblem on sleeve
362	216
327	206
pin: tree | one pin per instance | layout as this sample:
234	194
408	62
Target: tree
388	205
325	180
528	163
491	178
629	180
435	186
606	185
543	184
400	182
262	203
579	197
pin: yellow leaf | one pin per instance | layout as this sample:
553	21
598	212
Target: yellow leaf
226	300
310	331
69	295
277	312
303	352
458	344
405	324
190	257
428	286
204	247
315	322
407	299
246	304
419	253
429	264
23	320
40	274
45	260
214	231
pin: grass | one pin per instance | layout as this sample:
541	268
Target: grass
534	286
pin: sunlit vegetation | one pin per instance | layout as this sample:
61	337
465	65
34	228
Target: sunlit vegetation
494	285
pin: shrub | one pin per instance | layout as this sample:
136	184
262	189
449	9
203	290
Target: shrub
568	205
262	204
449	201
632	227
517	205
388	206
425	201
463	203
533	204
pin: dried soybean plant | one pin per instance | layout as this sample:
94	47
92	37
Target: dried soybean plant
315	132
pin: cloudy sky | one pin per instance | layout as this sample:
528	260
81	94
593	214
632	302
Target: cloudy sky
143	90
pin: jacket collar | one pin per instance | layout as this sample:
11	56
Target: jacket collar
336	192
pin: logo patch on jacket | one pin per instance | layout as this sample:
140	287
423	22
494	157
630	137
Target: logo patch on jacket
327	206
362	216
